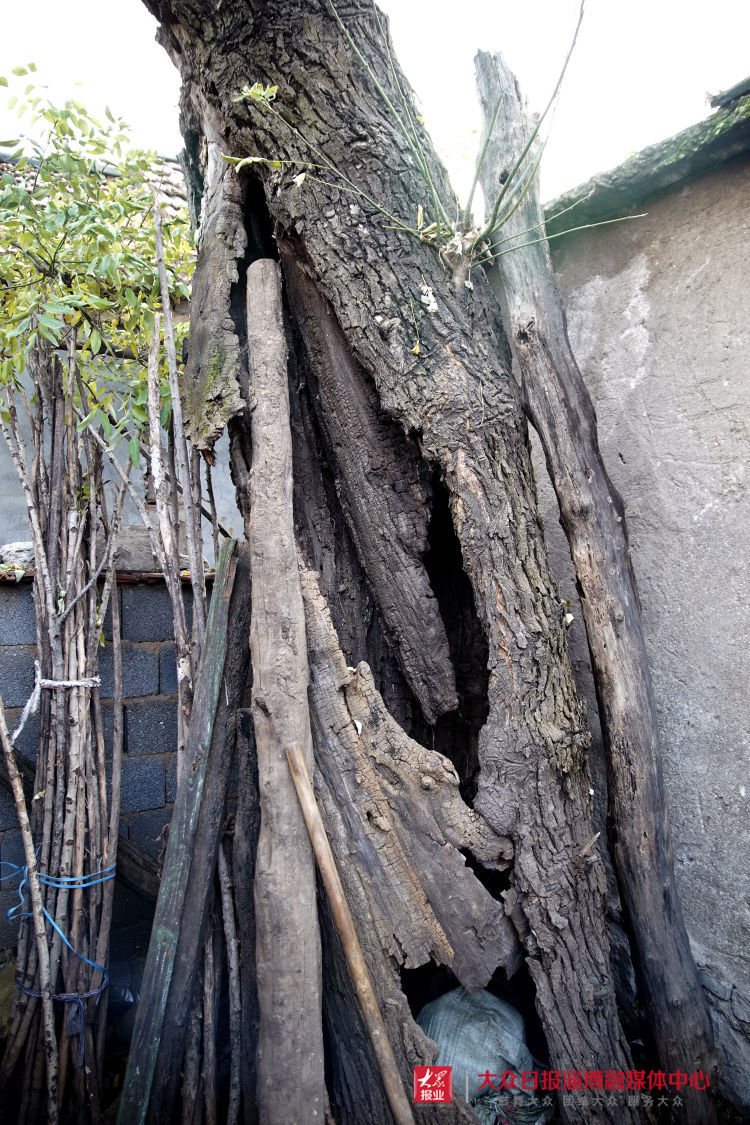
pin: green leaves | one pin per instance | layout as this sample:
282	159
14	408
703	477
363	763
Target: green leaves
257	92
77	259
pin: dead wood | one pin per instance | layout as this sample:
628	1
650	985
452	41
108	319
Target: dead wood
395	822
39	922
288	965
169	533
212	372
385	490
188	479
187	879
368	1004
244	850
235	992
454	398
593	516
406	824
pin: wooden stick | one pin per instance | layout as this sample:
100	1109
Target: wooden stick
40	929
192	518
288	967
170	539
361	978
235	992
186	887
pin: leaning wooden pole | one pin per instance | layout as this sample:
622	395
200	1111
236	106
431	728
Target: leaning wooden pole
288	957
592	514
187	879
368	1003
40	929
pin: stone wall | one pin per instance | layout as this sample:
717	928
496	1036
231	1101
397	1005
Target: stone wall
659	318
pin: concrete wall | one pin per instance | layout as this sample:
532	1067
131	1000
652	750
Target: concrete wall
659	318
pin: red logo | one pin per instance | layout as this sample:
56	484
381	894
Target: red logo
433	1084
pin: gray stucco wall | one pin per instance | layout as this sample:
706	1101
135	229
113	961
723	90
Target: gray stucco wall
659	318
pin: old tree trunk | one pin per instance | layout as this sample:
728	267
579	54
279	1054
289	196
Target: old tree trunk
430	616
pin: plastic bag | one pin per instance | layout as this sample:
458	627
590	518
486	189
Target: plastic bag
482	1035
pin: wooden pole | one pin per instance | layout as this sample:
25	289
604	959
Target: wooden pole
288	955
40	929
352	950
187	881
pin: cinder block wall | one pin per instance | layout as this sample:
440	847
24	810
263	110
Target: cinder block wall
149	767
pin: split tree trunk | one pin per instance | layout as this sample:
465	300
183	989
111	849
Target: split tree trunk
434	450
593	517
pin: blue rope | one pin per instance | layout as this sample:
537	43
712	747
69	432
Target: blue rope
77	1013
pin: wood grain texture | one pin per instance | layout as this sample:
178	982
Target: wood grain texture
288	964
212	380
187	879
204	844
456	398
384	489
406	823
593	516
396	844
368	1004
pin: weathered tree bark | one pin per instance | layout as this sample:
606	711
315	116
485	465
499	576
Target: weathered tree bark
288	963
396	826
384	491
432	369
371	1014
593	517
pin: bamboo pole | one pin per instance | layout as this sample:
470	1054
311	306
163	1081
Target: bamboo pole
360	976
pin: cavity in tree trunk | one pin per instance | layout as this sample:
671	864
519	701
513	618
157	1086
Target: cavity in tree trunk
414	502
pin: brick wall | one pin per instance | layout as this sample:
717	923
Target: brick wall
149	674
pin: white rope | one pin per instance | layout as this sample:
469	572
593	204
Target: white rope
32	703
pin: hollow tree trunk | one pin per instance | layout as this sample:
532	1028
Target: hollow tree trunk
593	517
400	394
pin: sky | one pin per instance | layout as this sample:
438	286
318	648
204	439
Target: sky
641	70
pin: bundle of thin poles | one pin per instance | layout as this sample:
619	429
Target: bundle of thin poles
56	1034
52	1066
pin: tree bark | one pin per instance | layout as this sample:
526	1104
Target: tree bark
395	823
288	964
593	517
428	356
360	977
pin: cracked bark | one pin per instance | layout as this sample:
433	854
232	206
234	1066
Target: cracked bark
354	293
395	823
593	516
